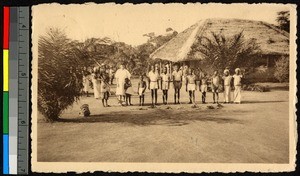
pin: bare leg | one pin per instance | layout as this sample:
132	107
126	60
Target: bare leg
103	102
166	96
143	96
129	97
190	96
193	97
152	96
155	96
178	95
175	95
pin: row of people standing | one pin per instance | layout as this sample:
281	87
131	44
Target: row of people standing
191	82
100	78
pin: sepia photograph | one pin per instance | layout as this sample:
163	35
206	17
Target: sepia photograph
163	87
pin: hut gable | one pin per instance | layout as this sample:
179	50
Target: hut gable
270	39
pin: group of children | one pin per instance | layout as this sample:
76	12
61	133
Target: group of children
156	81
191	82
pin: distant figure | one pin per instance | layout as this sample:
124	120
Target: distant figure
237	82
111	74
96	83
203	87
121	75
85	81
104	85
191	85
165	84
177	83
215	85
128	91
185	70
141	90
227	86
153	84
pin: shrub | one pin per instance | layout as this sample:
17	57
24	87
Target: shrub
282	69
59	78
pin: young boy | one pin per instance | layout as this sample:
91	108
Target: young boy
128	91
203	87
165	84
153	84
177	83
191	85
104	86
237	78
141	90
227	86
215	84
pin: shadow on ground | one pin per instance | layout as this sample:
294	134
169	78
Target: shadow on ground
155	117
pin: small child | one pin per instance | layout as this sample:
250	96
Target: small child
203	87
128	91
215	84
191	85
165	84
104	87
227	86
141	90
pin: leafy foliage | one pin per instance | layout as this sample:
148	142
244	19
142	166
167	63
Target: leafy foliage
283	20
282	69
221	51
59	84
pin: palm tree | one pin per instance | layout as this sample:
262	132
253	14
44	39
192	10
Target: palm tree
219	51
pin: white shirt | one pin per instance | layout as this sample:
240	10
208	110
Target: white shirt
153	76
237	80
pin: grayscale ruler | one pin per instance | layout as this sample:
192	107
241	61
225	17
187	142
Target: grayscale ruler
23	89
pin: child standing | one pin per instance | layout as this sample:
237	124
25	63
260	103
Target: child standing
203	87
104	86
165	84
215	84
177	83
191	85
227	86
237	79
128	91
153	84
141	90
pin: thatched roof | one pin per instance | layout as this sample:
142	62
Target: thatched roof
270	39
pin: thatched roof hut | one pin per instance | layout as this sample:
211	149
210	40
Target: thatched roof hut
272	41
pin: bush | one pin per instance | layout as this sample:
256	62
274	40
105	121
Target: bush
59	79
282	69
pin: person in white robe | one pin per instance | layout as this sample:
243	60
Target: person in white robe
120	76
237	82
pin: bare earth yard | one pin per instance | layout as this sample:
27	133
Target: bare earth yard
253	132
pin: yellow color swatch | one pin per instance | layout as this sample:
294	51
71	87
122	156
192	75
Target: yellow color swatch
5	70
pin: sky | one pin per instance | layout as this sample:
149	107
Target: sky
127	23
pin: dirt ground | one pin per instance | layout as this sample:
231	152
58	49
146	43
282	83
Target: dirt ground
255	131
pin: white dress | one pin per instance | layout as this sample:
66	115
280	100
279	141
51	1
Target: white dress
120	76
227	89
86	83
237	88
96	86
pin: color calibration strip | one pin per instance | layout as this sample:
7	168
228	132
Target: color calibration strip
13	91
5	117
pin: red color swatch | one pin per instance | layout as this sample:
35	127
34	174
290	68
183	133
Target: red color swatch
5	27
